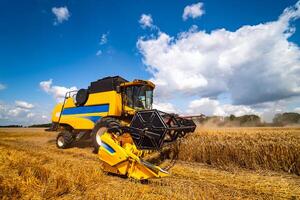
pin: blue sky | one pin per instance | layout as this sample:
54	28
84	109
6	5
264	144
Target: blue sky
37	47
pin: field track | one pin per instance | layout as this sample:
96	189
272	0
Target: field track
31	167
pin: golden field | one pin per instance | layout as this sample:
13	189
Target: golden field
268	148
214	163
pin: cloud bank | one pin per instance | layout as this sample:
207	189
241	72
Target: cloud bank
24	104
252	65
23	113
58	92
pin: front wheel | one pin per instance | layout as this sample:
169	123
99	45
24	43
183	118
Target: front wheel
100	128
64	140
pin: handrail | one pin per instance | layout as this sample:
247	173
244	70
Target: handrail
67	95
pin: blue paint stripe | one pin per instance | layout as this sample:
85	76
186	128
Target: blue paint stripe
92	118
86	109
107	147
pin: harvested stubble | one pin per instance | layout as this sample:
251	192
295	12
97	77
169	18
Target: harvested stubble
251	148
33	168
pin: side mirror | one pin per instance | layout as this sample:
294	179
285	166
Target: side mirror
118	89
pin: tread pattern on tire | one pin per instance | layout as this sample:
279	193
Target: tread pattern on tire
109	122
68	139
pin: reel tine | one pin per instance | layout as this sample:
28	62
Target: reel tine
151	129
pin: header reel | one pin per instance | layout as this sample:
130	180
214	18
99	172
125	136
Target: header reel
149	130
153	129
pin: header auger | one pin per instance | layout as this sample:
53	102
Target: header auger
119	118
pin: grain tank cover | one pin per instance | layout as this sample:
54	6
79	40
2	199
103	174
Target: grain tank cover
106	84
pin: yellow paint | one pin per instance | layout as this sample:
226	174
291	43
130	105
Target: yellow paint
77	121
125	159
56	112
112	98
138	82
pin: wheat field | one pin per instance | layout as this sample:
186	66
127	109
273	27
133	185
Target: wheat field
268	148
216	163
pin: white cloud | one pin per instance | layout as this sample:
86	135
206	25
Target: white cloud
2	86
61	13
193	11
266	110
17	112
253	64
45	117
24	104
30	115
3	111
165	107
58	92
20	109
98	53
210	107
103	39
146	21
22	115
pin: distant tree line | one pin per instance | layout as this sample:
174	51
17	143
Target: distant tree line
245	120
31	126
282	119
40	125
11	126
286	119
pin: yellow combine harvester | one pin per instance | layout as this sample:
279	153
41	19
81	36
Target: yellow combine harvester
119	118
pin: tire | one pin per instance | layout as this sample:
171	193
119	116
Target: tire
102	126
64	140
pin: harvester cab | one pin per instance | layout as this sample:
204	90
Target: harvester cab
136	95
118	116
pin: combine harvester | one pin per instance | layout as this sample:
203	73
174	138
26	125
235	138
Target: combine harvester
119	118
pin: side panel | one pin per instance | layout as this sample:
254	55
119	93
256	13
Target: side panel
84	117
112	98
56	112
98	105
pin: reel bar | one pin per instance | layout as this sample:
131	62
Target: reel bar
151	129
